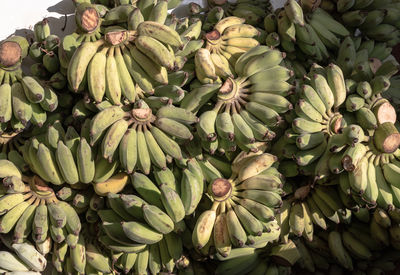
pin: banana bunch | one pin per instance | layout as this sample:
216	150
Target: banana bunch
365	60
156	211
317	118
273	259
248	107
126	63
152	259
252	11
314	33
136	224
30	210
82	254
375	19
141	138
229	39
244	206
44	51
60	156
311	207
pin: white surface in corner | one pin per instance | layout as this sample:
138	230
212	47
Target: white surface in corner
20	15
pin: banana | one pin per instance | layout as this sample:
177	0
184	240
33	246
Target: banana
250	223
160	32
66	163
8	169
221	235
191	191
243	132
223	24
236	231
286	28
113	85
157	219
128	150
96	259
147	189
178	114
80	61
97	75
78	256
30	256
174	128
304	126
6	103
296	219
239	31
358	178
338	251
47	159
34	92
127	85
204	64
114	184
85	162
141	233
391	173
10	262
172	203
144	160
22	109
307	111
294	12
156	51
159	12
10	219
274	101
168	145
112	138
73	223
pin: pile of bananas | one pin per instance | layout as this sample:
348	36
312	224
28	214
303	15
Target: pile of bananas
240	139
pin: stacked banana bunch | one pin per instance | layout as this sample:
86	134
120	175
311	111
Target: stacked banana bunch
248	107
24	100
377	20
140	138
213	143
315	34
244	206
229	39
